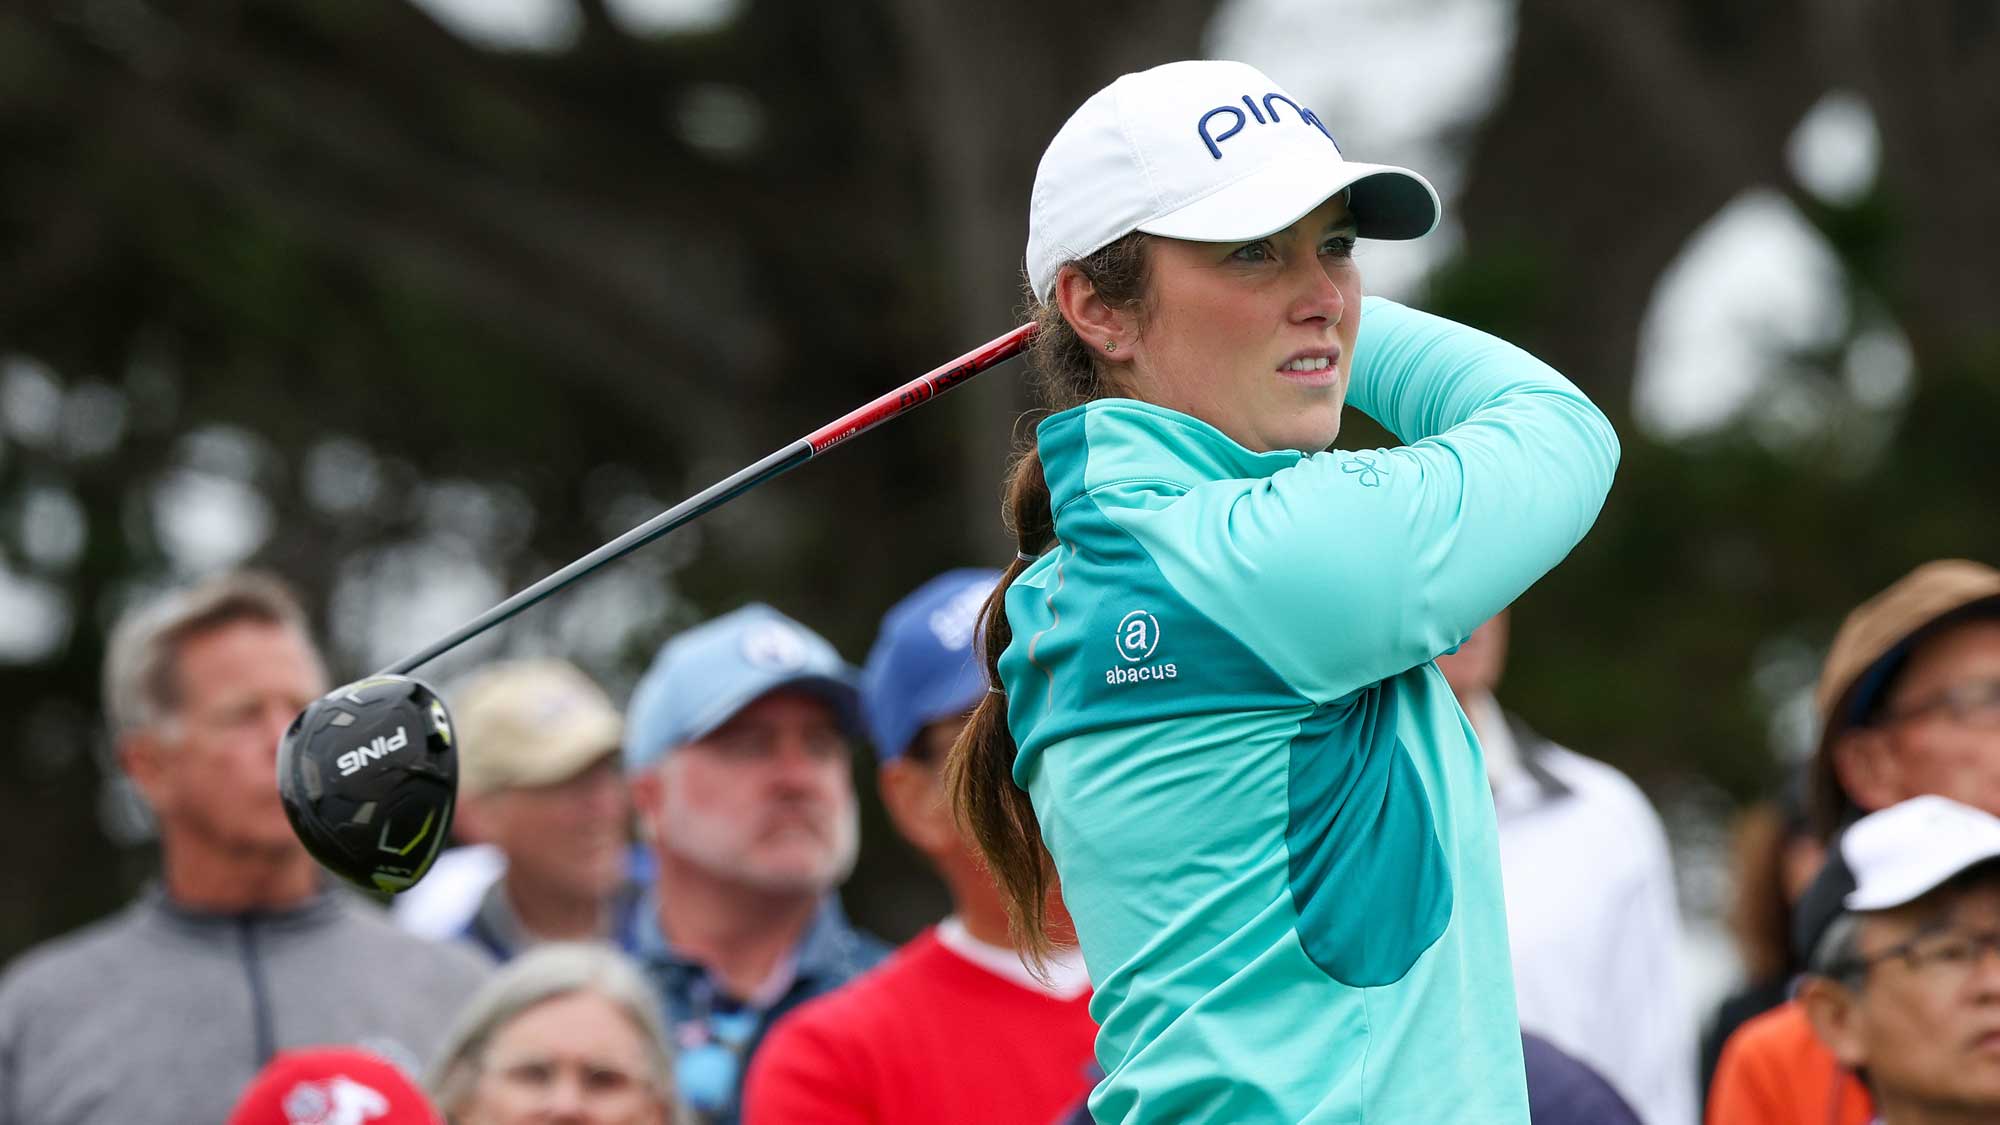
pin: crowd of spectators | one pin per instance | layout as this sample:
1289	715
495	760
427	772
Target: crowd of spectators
643	924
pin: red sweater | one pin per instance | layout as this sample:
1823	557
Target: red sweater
928	1036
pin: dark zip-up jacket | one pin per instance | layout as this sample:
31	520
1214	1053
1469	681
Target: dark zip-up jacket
160	1013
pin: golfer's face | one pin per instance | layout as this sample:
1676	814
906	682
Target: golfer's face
1255	338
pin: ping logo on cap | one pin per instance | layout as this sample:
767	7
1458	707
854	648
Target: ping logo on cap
1264	113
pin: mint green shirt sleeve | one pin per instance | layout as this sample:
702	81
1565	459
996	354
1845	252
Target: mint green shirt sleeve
1349	567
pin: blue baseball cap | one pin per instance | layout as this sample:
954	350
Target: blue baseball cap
922	668
703	676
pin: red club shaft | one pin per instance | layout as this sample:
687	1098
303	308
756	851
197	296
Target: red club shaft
905	398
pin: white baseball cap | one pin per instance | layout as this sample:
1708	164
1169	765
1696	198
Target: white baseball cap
1909	849
1208	151
1890	858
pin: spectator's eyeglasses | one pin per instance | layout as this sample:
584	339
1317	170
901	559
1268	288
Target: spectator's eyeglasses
1945	956
1975	703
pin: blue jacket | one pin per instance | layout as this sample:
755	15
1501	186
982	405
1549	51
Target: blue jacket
716	1034
1563	1090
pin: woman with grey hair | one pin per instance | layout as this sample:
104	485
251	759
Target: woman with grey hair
569	1028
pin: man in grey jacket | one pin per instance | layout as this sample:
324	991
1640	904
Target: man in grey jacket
165	1010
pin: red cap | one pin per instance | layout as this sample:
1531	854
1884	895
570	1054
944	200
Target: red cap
332	1086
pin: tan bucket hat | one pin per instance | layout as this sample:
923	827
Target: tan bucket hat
1870	648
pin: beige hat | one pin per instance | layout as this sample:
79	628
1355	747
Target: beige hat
525	723
1871	646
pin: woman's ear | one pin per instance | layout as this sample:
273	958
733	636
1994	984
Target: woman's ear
1110	332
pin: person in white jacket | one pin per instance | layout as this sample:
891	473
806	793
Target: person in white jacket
1592	920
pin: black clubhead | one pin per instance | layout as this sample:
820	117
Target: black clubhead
368	774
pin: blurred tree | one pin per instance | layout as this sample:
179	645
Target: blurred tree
1666	641
1625	126
425	318
423	306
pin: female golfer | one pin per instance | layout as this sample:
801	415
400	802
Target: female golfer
1216	706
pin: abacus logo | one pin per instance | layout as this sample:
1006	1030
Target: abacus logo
1138	636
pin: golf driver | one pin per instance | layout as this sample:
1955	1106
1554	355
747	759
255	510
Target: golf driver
368	773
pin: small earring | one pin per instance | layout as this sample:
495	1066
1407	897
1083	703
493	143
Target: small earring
1110	345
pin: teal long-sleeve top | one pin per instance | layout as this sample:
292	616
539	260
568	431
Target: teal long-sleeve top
1270	818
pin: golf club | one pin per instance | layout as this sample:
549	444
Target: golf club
368	773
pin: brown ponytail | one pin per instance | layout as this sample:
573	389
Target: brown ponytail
979	774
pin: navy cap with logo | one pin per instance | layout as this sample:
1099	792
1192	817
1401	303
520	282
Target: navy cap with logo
703	676
922	668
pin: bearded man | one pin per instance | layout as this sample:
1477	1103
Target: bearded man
737	743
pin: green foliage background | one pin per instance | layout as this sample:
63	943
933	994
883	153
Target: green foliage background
513	301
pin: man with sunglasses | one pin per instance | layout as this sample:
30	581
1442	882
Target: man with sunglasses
1900	987
1909	705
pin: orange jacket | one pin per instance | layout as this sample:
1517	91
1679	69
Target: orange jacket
1774	1071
